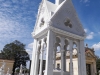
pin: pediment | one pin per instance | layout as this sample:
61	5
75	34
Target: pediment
89	54
65	18
42	17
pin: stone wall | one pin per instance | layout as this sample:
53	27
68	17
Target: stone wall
8	64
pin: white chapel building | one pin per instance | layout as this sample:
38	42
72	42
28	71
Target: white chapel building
57	26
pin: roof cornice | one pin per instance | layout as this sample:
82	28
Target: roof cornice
58	31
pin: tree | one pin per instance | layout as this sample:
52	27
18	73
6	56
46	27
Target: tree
98	64
15	51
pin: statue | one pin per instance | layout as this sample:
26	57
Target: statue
1	71
8	72
3	65
58	67
2	68
20	72
99	72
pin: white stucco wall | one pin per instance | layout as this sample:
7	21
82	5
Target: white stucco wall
75	65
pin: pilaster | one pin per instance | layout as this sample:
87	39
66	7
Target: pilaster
37	64
71	56
33	56
62	43
92	69
49	56
54	57
79	58
41	59
83	59
37	60
95	68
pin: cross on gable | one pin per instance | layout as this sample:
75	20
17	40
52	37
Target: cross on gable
68	23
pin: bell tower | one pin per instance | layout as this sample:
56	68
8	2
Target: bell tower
57	29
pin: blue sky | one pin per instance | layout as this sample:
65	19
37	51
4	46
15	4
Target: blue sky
17	20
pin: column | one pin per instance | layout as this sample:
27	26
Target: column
83	59
33	57
65	61
41	59
54	58
79	59
41	63
95	67
65	57
49	54
92	68
37	63
54	53
71	56
37	60
62	43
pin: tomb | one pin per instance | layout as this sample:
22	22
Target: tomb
57	28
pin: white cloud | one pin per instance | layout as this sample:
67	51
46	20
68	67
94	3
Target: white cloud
90	36
98	32
29	51
30	45
85	30
96	46
80	0
16	20
11	29
85	1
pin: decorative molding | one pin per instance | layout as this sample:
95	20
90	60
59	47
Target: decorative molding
68	23
62	32
56	30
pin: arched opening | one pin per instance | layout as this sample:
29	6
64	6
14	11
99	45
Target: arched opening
58	49
74	49
56	52
38	55
66	56
44	54
75	61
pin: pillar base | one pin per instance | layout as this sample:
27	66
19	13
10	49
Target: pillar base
58	72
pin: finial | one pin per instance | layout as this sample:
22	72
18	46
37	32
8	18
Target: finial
87	45
93	49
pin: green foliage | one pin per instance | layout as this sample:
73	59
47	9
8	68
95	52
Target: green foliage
98	64
15	51
25	70
17	71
